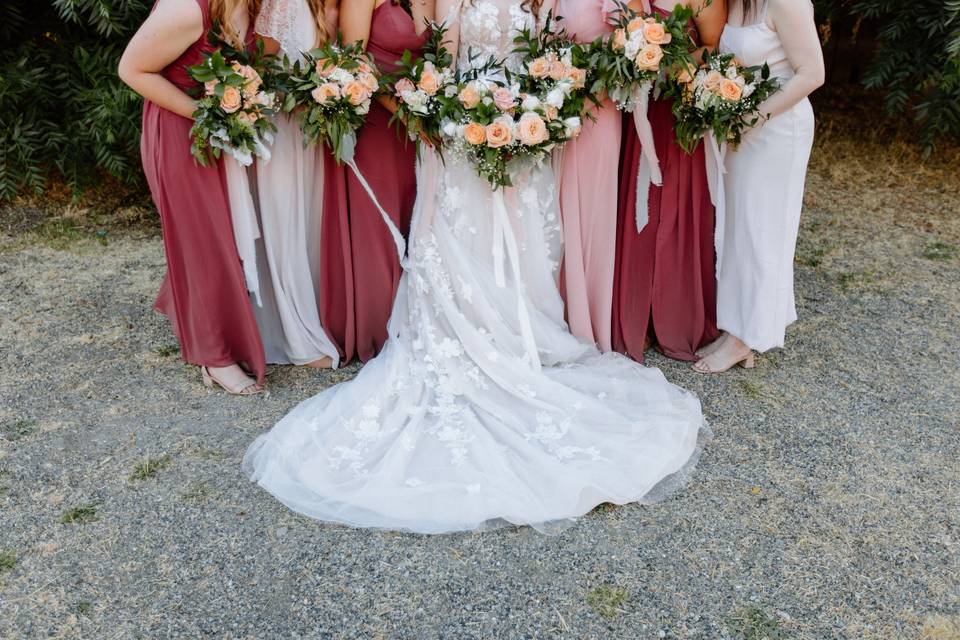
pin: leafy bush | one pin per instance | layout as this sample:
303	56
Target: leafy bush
62	107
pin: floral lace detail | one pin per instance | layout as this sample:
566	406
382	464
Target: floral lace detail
487	28
290	23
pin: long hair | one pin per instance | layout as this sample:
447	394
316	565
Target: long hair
319	10
222	10
750	9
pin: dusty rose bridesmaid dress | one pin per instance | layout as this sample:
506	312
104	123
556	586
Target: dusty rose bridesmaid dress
588	177
665	284
203	294
360	268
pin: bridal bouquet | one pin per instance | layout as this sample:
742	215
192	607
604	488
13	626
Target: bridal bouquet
231	115
425	88
722	97
641	52
332	88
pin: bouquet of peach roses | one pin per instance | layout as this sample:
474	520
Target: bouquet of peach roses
425	87
332	89
640	52
722	98
231	115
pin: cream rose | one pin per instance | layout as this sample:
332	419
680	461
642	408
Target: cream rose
578	77
649	57
654	33
539	68
469	96
635	24
232	99
369	81
533	130
558	70
504	99
326	92
356	93
429	82
475	134
712	80
619	39
499	133
404	85
730	90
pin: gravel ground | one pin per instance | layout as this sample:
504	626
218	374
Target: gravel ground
827	506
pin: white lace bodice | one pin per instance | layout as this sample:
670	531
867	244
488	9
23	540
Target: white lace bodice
487	28
289	22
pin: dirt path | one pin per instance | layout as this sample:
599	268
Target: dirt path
827	506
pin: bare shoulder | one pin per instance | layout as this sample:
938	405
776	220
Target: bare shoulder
178	14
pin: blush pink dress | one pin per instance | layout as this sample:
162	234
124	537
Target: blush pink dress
588	177
360	269
203	293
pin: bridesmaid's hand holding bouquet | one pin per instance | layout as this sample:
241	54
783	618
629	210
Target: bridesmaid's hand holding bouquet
722	97
231	115
640	53
332	89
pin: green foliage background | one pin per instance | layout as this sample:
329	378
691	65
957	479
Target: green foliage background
64	111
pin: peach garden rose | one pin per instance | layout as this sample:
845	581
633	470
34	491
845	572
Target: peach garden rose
533	130
356	93
649	57
232	99
475	134
499	133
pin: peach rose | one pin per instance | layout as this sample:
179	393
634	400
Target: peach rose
326	92
369	81
635	24
429	81
499	133
232	99
246	118
533	130
685	75
539	68
404	85
356	93
558	70
578	77
363	67
475	134
712	81
654	33
730	90
550	113
469	96
504	99
325	67
619	39
649	57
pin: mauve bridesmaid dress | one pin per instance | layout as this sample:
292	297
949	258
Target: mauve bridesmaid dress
360	268
204	293
665	284
588	177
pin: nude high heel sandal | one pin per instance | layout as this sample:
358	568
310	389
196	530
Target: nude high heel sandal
209	381
747	362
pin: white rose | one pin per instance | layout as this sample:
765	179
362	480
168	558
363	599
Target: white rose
487	100
572	126
449	129
748	90
530	103
341	75
632	48
555	97
450	91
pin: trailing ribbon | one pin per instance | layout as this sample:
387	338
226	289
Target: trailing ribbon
246	231
503	237
715	156
348	146
648	168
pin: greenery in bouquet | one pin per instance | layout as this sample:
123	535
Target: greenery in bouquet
722	97
232	112
643	51
332	89
425	88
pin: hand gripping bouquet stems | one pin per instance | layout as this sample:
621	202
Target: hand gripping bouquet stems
232	112
332	89
425	88
722	98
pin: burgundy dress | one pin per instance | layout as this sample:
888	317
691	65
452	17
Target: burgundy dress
360	269
203	293
665	283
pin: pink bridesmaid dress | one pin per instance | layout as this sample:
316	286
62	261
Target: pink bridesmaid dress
588	178
204	293
360	268
665	287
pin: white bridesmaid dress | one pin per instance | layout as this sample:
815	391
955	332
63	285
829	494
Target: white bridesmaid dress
764	185
289	191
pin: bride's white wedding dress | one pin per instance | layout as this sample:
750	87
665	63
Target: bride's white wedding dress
482	408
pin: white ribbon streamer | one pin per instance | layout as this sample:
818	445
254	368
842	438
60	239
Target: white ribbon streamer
503	237
648	168
246	231
715	156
